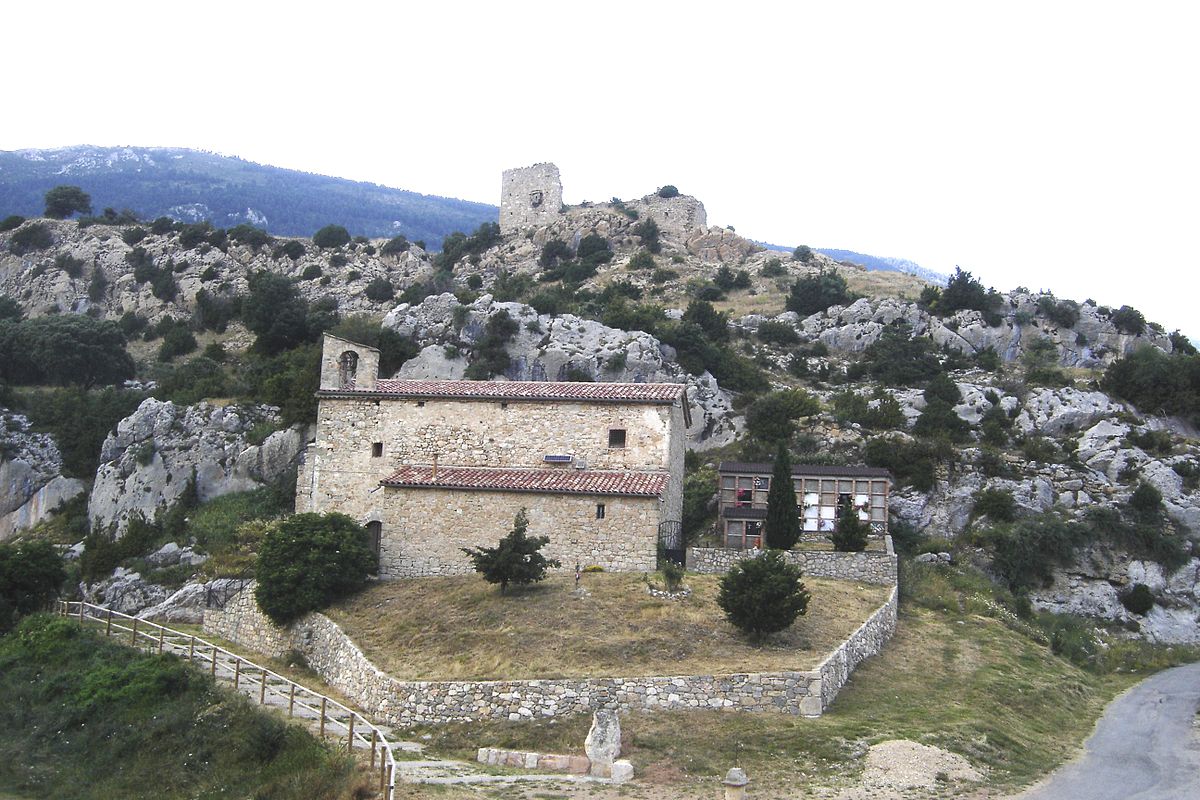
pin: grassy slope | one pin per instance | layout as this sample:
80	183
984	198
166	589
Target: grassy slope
960	674
461	627
83	718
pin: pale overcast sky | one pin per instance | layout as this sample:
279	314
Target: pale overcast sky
1049	145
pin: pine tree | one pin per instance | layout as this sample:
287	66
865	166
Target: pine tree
850	535
515	559
783	525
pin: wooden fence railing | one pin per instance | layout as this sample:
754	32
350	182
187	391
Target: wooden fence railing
331	717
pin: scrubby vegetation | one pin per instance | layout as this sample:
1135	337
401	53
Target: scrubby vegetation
89	719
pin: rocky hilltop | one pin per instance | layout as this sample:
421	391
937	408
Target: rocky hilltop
993	409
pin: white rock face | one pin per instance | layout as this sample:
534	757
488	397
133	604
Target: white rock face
554	348
146	464
603	743
31	485
1054	412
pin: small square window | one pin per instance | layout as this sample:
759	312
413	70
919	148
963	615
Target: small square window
599	510
376	449
616	437
420	404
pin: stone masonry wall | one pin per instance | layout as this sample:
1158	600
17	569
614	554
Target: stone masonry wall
424	529
335	657
867	567
529	197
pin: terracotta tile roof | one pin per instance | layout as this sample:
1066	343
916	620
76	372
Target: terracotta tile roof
532	390
554	481
819	470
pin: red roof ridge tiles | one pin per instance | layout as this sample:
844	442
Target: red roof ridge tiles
528	390
544	480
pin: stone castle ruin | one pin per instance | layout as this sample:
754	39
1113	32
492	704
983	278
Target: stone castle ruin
531	197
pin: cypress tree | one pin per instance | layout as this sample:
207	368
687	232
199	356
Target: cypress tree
783	524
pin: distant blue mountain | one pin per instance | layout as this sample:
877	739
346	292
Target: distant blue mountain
191	185
885	263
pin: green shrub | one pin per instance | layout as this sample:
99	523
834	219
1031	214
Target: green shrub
803	253
380	290
781	529
911	463
163	226
897	358
850	533
311	272
771	417
491	355
811	294
641	260
69	264
516	559
67	350
1026	552
965	292
178	341
668	191
30	576
672	575
1128	320
63	201
194	380
331	236
773	268
1064	313
647	231
995	504
763	595
1157	383
553	252
779	333
292	249
250	236
308	561
11	223
1146	500
395	246
1138	599
34	236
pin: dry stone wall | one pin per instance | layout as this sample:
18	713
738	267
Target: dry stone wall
878	567
336	658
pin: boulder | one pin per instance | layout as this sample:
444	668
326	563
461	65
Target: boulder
603	742
126	592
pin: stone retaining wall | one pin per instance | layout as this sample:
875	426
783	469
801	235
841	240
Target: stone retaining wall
401	703
867	567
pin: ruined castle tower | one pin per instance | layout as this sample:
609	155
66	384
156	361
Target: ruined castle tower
530	196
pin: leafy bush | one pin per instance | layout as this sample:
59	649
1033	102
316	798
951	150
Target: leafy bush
395	246
163	226
553	252
775	332
331	236
1129	320
458	244
811	294
647	231
69	264
965	292
668	191
311	272
193	381
214	311
516	559
30	575
63	201
773	268
897	358
594	250
65	350
380	290
1152	441
1156	383
995	504
763	595
289	380
1063	313
11	223
770	418
491	356
1026	553
132	236
641	260
1142	534
1138	599
1041	363
803	253
277	315
34	236
176	342
250	236
911	463
1179	343
1146	500
292	249
308	561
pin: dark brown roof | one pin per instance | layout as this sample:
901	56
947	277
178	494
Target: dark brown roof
532	390
820	470
553	481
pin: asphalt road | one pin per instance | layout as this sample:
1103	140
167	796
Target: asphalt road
1145	747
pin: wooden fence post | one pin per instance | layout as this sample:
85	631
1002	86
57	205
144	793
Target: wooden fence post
237	671
133	633
213	671
161	633
350	735
291	699
374	739
108	624
191	649
262	689
323	701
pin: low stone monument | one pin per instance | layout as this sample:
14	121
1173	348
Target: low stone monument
603	743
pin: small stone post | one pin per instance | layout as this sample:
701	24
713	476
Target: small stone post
603	743
735	784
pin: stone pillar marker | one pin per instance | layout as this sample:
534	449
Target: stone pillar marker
603	743
735	784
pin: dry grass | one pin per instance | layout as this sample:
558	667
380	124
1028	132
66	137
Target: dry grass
462	628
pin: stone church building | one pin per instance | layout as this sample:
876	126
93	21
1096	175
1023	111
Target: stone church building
432	466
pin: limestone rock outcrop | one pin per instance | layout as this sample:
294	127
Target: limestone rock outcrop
31	486
146	464
555	348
